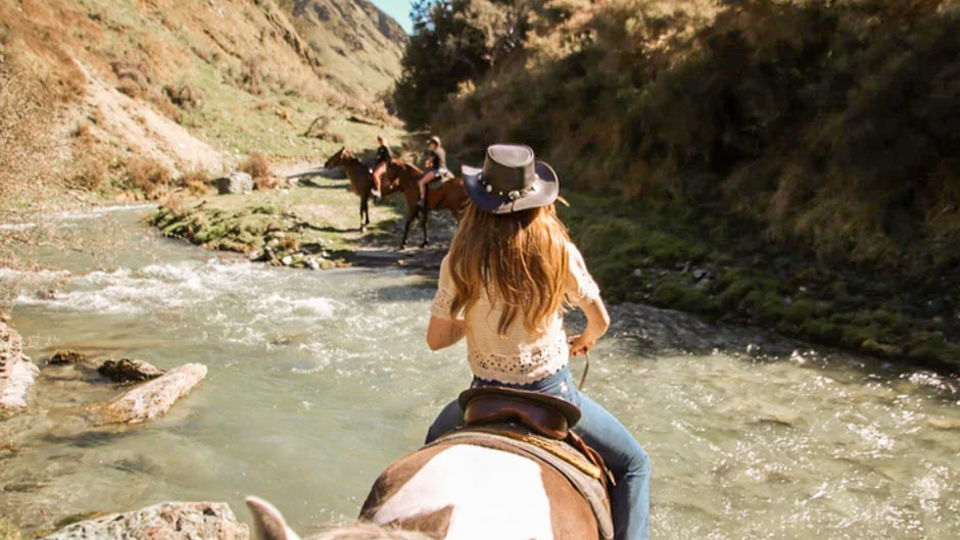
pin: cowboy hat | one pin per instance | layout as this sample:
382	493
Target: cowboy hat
511	180
434	139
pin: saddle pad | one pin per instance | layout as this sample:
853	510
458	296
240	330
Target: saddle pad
583	475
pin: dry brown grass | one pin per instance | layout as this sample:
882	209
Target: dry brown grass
267	183
196	182
256	165
148	176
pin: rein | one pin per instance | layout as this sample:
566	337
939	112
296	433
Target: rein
586	369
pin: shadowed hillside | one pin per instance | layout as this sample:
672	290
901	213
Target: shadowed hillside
803	155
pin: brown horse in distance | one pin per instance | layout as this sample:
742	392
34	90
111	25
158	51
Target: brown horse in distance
451	196
361	179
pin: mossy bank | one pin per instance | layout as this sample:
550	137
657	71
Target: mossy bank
313	224
697	261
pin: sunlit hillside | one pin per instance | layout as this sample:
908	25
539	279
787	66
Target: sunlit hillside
359	45
95	90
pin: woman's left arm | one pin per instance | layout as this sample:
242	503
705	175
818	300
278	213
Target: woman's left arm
443	333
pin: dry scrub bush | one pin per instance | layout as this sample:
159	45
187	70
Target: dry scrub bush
267	183
148	176
256	165
196	182
185	97
90	174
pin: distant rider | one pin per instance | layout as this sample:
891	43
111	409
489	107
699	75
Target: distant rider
436	166
384	155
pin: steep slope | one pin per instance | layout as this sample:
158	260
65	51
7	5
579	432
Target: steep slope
89	87
359	45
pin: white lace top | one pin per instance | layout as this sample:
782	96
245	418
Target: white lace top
520	357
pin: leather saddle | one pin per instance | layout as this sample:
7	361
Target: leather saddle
443	176
547	415
543	414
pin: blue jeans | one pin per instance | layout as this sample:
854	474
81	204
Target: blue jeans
626	459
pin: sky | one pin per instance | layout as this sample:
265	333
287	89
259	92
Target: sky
398	9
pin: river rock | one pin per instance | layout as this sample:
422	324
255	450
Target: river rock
236	183
129	370
60	358
165	521
17	373
150	399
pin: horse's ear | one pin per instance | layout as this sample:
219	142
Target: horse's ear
269	521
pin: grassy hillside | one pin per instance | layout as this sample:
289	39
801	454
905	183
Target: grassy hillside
190	84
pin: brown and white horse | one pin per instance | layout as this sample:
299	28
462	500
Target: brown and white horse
451	196
361	179
464	492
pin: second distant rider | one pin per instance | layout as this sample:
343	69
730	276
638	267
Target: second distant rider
384	155
436	166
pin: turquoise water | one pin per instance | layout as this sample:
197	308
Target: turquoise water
319	379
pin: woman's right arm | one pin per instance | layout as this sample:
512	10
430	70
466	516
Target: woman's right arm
443	333
583	292
598	320
445	329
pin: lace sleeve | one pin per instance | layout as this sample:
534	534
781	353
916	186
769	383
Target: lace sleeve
445	292
581	288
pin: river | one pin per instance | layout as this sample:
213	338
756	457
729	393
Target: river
319	379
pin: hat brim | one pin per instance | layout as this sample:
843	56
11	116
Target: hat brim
570	411
546	189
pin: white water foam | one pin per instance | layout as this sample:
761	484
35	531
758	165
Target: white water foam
17	226
99	211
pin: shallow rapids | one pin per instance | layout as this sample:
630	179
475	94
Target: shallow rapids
319	379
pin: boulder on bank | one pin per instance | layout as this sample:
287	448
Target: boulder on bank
17	372
151	399
165	521
129	370
235	183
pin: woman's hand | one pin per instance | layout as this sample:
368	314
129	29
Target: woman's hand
581	344
598	320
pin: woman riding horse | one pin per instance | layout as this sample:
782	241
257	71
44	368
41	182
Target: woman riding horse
384	155
509	273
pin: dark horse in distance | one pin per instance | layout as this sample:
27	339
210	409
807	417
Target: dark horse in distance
361	179
450	195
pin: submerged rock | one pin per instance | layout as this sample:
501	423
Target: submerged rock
235	182
129	370
60	358
165	521
151	399
17	373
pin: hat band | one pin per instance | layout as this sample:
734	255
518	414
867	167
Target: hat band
513	195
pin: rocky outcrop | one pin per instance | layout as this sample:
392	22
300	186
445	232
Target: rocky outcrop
165	521
17	372
150	399
235	183
129	370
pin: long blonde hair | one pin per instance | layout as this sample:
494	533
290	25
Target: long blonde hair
520	260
